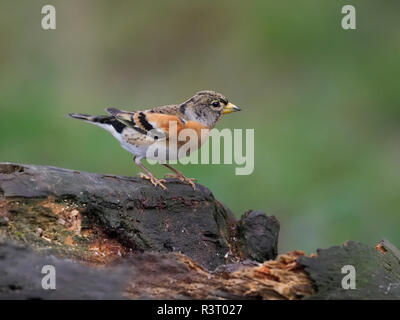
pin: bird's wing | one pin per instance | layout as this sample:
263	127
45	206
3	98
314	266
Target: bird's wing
151	123
115	112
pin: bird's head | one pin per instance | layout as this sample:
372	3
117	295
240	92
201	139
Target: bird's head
207	107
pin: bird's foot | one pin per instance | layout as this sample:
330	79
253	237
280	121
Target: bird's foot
183	179
154	180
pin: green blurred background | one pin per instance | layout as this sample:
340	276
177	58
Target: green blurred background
324	102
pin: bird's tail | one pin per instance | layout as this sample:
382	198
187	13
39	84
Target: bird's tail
86	117
110	123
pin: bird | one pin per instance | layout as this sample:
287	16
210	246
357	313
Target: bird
138	131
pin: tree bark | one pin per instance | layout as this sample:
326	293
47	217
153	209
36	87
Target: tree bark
140	241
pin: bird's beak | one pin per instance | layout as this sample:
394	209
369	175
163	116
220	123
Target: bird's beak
229	108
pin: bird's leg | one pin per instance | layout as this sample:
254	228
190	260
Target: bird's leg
149	175
179	175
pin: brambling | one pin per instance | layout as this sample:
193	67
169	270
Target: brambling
138	131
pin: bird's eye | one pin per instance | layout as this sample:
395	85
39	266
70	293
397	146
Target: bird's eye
215	104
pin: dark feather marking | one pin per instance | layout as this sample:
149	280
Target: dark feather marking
144	122
118	126
140	130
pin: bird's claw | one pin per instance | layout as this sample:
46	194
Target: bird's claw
183	179
154	180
